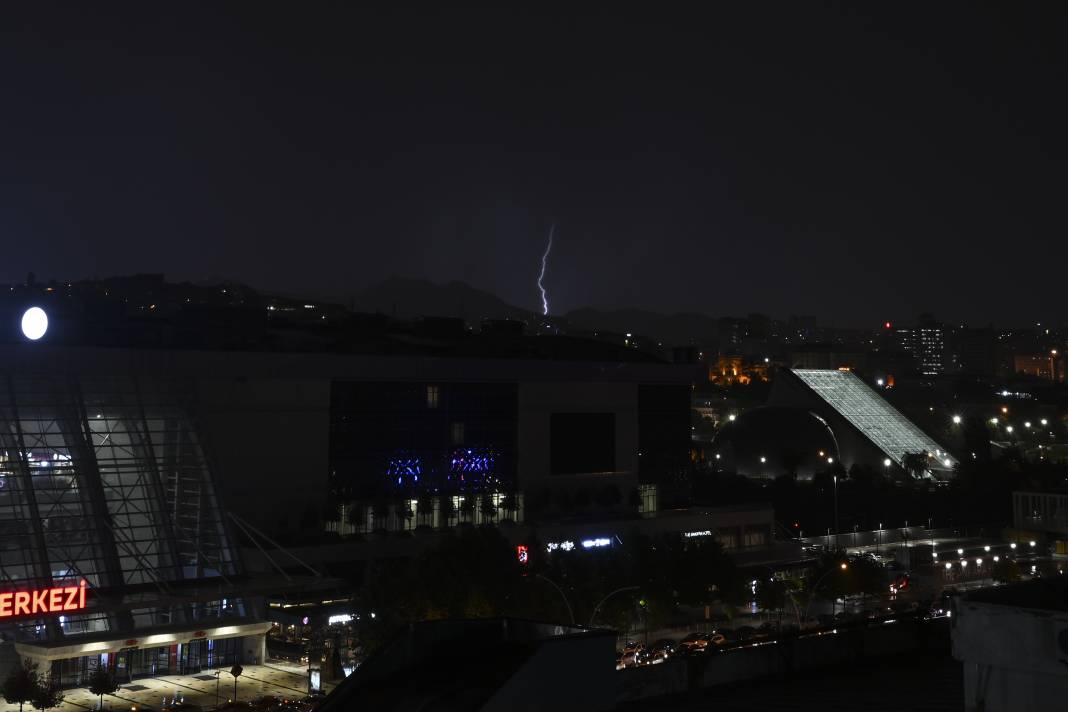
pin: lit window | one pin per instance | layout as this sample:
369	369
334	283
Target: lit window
432	395
458	433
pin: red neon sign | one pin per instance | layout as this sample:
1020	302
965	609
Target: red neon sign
42	600
522	554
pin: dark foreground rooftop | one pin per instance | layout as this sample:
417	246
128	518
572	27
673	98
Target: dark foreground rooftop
923	682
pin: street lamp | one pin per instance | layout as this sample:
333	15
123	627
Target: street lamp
598	606
956	420
1013	546
835	509
559	590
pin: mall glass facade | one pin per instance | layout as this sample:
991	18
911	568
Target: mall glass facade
104	480
126	665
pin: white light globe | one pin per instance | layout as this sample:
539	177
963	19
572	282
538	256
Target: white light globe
34	323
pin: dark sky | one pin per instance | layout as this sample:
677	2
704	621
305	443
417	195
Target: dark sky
797	158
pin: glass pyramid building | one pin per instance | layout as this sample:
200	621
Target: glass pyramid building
875	419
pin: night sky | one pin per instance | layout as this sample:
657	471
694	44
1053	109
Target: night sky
856	164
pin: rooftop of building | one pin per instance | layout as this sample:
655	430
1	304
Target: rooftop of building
146	312
1045	594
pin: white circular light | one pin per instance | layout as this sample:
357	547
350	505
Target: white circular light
34	323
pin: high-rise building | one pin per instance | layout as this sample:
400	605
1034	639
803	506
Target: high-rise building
926	342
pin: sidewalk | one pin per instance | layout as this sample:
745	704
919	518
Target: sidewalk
200	689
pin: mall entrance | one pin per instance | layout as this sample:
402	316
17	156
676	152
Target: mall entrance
132	663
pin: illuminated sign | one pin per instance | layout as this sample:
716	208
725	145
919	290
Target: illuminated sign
596	543
522	554
42	600
691	535
338	619
565	545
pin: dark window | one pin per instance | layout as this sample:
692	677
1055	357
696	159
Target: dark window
582	442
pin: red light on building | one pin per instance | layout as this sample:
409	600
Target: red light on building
42	600
887	325
522	554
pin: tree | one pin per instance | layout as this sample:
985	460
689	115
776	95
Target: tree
467	507
355	515
425	505
448	510
976	436
404	513
101	683
510	504
1005	571
486	508
914	464
20	684
44	696
380	512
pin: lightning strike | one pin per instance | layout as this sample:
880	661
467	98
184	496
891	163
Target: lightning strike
541	276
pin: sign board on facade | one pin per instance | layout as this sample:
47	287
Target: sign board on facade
57	599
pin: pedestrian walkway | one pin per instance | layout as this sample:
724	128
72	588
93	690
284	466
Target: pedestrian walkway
200	689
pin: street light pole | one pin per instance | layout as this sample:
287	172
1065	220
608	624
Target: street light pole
598	606
836	546
559	590
834	604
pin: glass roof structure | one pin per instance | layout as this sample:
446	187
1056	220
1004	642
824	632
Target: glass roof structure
876	419
104	480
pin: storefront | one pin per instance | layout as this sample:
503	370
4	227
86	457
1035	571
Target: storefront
164	653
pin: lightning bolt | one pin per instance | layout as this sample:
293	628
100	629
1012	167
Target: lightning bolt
541	276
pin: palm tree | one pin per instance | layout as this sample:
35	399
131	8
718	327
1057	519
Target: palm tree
914	463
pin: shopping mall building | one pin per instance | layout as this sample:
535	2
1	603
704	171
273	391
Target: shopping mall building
105	490
165	470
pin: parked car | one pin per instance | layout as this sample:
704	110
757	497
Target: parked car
660	651
693	643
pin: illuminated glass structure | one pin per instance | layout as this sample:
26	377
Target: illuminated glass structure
876	420
104	481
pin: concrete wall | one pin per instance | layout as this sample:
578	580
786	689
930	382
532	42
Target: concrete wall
268	443
538	401
791	655
1014	658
